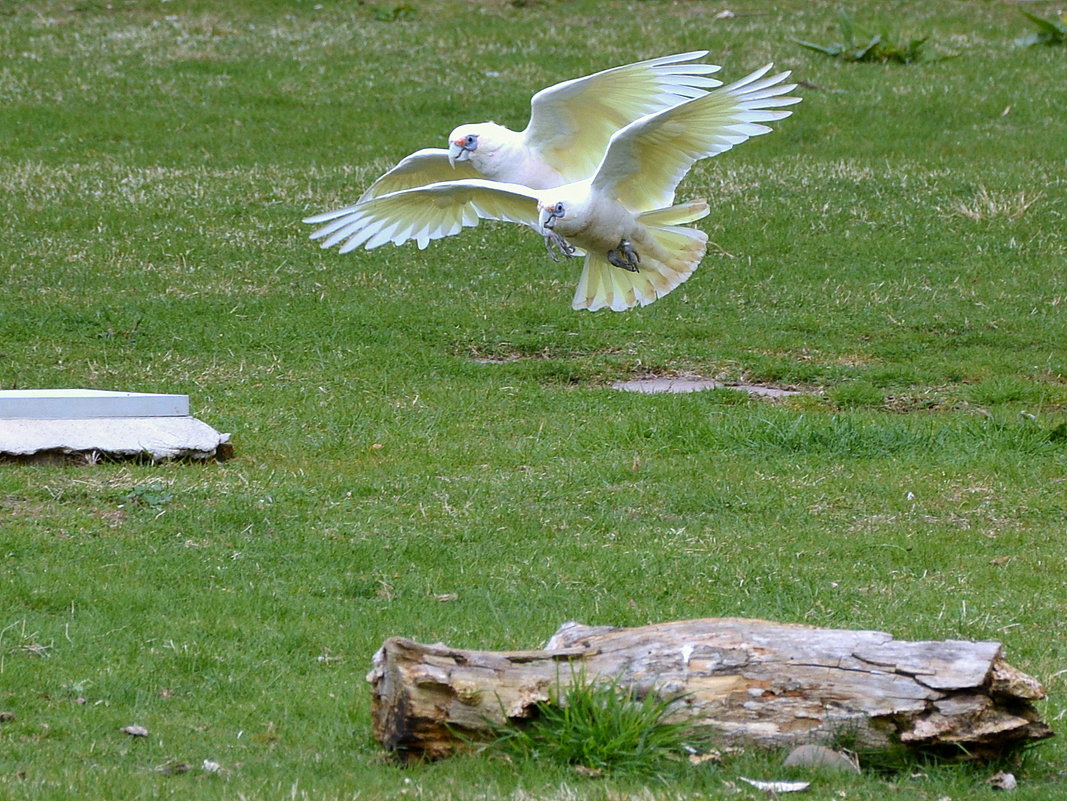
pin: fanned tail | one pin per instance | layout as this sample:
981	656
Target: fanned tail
677	253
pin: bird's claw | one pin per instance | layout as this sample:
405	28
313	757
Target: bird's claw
564	248
625	257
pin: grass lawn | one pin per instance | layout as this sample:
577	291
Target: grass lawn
425	442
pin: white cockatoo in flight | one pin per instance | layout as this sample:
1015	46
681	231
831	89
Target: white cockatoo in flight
622	218
570	125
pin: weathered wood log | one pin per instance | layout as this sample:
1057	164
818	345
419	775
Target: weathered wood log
748	681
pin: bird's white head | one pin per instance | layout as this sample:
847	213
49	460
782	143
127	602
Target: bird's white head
549	212
462	142
479	143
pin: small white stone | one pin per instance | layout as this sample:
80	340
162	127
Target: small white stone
1003	780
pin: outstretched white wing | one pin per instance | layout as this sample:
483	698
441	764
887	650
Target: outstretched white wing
572	122
425	213
426	166
647	159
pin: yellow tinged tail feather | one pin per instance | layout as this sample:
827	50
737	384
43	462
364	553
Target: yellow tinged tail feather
676	215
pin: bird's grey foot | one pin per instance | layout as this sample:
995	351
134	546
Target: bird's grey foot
561	245
625	256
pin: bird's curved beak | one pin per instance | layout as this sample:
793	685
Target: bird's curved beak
458	151
547	216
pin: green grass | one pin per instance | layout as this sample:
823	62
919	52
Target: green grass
599	728
895	248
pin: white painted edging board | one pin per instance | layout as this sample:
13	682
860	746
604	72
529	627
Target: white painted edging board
72	404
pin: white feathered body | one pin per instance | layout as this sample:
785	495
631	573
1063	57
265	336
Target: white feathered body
598	223
504	155
594	222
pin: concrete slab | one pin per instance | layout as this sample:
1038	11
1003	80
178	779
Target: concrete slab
87	425
153	438
81	404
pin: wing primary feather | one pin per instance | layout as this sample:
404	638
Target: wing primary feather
752	77
383	234
336	225
415	225
772	94
674	58
330	215
351	227
359	237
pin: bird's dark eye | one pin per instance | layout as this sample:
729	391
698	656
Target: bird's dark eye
471	140
559	208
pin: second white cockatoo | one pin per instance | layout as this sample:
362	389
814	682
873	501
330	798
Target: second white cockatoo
623	218
569	128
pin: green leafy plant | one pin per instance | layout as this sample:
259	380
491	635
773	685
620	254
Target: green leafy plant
876	47
397	13
1049	31
598	727
152	496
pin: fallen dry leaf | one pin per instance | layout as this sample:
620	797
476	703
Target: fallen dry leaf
174	768
135	731
700	759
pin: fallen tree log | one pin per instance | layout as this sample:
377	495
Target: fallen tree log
748	681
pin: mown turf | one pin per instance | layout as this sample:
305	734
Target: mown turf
425	444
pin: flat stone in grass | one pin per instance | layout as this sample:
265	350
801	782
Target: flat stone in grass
677	385
820	757
85	425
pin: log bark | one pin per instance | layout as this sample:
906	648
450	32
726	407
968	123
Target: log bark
747	681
